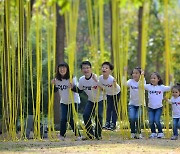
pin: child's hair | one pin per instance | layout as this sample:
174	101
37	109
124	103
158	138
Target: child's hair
66	76
109	64
177	86
136	68
160	82
85	63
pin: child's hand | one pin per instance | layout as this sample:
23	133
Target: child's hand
125	68
94	77
142	72
53	81
70	85
114	81
165	99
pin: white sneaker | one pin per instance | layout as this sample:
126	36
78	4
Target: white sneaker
160	135
79	138
139	136
153	135
62	138
133	135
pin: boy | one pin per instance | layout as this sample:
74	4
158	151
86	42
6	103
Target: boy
94	106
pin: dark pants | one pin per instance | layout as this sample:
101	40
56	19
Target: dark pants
93	109
112	108
175	126
154	118
134	118
67	116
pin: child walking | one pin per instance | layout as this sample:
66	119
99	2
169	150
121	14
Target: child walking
94	106
175	102
62	83
112	89
134	106
155	96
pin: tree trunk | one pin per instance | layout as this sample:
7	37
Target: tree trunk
60	41
140	15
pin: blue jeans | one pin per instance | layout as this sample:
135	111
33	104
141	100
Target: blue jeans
89	111
175	126
154	118
66	113
112	108
134	118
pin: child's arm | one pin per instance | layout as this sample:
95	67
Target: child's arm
53	81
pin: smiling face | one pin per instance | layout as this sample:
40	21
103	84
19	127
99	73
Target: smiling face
154	79
136	75
62	70
86	70
175	92
105	70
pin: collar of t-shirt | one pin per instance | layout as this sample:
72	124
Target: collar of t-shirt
89	77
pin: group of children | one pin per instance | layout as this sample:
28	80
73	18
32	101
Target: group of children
94	87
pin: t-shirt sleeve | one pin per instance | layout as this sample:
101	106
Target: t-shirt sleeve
165	88
146	86
128	83
80	86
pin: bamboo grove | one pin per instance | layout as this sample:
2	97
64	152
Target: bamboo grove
22	55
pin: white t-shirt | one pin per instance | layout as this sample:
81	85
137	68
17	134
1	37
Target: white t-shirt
134	92
175	107
108	85
64	89
90	87
155	95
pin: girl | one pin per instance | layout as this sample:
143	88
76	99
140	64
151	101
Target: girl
134	106
62	83
112	89
175	101
155	96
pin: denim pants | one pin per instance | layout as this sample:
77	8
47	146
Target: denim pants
175	126
112	108
93	109
66	113
134	118
154	118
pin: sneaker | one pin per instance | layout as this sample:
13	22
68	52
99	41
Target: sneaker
160	135
99	138
174	137
138	136
62	138
87	138
153	135
133	135
112	126
79	138
106	126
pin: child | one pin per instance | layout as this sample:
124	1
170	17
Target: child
62	83
112	89
88	83
155	96
175	101
134	107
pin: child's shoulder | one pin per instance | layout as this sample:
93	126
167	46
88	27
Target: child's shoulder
82	77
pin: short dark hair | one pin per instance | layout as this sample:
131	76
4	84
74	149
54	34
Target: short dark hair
160	82
85	63
136	68
109	64
67	75
177	86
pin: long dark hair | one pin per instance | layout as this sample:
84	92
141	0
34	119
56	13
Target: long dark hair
58	75
160	82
